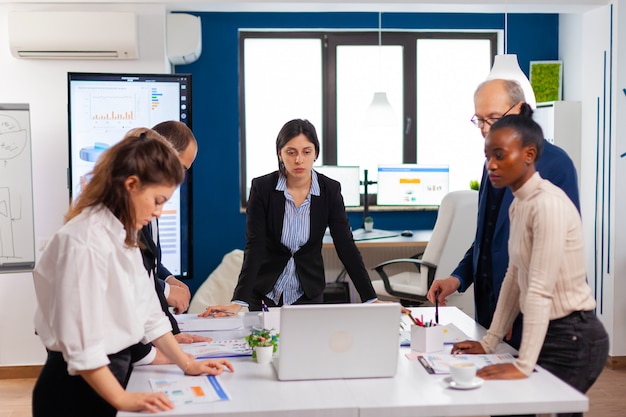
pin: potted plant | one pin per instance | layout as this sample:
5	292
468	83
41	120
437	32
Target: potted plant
474	185
368	224
263	344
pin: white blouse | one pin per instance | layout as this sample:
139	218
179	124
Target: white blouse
94	295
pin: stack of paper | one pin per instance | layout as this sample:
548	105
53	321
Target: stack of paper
439	363
192	323
218	348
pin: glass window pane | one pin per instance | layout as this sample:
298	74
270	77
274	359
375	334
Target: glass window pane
364	139
448	72
283	81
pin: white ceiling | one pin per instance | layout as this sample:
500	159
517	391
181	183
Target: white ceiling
497	6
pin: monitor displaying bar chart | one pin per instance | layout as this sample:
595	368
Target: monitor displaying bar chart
412	184
103	107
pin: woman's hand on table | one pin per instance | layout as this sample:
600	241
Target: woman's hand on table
221	311
143	401
186	338
467	347
209	366
500	371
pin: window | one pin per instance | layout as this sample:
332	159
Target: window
330	78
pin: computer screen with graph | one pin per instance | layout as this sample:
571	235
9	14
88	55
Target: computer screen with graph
348	177
102	109
412	184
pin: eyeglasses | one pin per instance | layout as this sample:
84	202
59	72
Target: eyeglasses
479	123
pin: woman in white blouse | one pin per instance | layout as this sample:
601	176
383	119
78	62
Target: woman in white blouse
95	298
546	278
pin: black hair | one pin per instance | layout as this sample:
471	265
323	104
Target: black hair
530	132
290	130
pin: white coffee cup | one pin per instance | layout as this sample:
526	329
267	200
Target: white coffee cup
462	372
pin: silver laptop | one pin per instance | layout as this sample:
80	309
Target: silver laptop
330	341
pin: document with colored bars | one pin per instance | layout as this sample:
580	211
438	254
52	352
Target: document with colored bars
190	389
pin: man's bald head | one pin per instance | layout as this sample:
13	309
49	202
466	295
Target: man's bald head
495	98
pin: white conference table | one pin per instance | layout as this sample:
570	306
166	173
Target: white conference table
255	390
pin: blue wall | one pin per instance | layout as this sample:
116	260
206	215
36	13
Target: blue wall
218	225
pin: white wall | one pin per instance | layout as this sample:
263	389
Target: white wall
586	48
617	271
43	85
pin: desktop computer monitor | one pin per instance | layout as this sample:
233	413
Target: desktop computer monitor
412	184
348	177
102	108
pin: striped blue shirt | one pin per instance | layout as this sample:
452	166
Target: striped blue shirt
296	232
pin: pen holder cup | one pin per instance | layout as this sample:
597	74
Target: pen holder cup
426	339
271	319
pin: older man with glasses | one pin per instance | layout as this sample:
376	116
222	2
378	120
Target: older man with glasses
486	261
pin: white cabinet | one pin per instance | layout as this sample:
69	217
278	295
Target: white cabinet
561	124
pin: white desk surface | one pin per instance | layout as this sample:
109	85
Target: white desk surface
255	390
419	238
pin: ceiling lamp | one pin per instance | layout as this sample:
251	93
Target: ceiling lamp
379	110
507	67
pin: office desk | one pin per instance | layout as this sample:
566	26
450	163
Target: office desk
373	251
254	390
420	238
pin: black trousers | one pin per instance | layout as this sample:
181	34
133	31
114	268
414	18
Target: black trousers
57	393
575	350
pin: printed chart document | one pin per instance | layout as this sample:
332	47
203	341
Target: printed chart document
192	323
218	348
190	389
439	363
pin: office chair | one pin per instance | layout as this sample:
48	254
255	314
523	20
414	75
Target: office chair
218	288
409	279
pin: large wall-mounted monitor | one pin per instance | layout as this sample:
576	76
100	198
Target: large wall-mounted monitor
412	184
348	177
102	108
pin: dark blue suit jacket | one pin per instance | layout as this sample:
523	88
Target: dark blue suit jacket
554	165
265	257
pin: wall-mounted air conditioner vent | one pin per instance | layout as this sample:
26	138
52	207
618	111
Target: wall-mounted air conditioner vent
73	35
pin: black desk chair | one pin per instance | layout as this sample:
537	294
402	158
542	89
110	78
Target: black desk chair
409	279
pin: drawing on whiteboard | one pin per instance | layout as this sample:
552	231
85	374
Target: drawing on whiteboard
12	138
16	228
7	248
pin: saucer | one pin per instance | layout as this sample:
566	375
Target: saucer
476	382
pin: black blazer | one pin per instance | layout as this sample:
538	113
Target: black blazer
265	257
151	255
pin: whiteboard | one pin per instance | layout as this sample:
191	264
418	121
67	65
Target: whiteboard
17	237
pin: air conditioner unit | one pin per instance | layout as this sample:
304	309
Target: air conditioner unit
184	38
73	35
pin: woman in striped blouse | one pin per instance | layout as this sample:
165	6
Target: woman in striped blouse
288	212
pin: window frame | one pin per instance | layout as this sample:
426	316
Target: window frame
330	40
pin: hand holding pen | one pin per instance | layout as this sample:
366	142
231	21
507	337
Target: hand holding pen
437	307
